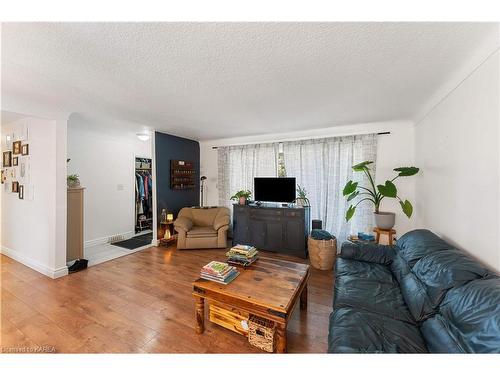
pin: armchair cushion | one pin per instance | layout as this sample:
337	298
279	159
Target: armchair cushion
221	221
183	223
201	232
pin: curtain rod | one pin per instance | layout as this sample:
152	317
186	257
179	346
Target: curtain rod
381	133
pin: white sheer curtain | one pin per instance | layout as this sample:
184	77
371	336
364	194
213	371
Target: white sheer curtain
238	165
322	167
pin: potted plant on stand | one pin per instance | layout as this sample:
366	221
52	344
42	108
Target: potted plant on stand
73	180
375	194
242	196
302	199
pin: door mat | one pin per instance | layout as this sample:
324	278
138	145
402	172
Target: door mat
135	242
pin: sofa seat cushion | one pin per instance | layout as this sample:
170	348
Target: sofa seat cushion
197	232
365	270
353	330
469	319
370	294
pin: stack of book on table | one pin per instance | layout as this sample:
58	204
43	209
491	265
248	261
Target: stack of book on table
242	255
219	272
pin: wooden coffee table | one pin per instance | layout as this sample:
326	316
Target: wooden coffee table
269	288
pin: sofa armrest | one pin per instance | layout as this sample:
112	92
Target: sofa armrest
221	221
367	252
183	223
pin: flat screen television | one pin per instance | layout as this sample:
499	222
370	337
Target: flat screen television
274	189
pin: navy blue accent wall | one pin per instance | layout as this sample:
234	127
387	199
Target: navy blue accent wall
169	147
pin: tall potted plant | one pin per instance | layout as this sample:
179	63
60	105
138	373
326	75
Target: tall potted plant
375	194
242	196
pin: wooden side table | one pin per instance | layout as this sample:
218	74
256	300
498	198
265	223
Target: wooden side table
388	232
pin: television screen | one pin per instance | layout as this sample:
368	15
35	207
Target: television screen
274	189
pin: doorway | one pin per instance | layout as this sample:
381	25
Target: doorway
143	203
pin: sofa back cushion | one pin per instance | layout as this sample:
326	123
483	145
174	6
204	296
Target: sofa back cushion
446	269
426	267
469	319
418	243
203	217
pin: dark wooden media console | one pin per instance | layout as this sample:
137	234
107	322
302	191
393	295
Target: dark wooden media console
273	228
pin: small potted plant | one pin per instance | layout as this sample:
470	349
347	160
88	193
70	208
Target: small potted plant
375	194
302	199
242	196
73	180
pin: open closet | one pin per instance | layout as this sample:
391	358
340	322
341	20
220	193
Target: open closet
143	195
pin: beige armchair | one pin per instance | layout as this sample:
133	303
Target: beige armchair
202	228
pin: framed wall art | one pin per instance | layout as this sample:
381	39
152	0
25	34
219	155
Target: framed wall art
25	150
15	161
21	191
7	159
16	147
24	170
15	187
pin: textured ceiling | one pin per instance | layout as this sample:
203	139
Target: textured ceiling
213	80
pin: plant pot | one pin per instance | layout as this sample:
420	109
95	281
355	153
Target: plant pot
385	220
242	200
72	184
302	202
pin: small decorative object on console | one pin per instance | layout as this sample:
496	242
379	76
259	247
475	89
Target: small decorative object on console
302	199
242	196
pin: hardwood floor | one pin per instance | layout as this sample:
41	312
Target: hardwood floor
140	303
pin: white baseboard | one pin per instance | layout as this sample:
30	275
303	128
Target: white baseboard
53	273
105	240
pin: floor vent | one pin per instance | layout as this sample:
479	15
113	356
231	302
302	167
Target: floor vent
116	238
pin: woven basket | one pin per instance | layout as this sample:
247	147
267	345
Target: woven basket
322	253
261	333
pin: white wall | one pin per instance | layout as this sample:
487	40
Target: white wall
457	145
26	105
30	227
103	154
394	150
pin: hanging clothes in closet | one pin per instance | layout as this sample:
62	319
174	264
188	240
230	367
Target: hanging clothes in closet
143	195
143	192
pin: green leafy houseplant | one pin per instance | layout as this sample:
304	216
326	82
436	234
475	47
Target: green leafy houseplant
302	199
73	180
376	194
242	196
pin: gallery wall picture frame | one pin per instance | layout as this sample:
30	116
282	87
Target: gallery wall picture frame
15	187
16	147
7	159
21	191
25	150
15	161
2	177
24	170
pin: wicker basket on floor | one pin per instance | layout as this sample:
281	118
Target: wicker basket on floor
261	333
322	253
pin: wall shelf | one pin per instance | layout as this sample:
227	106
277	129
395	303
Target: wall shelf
182	175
